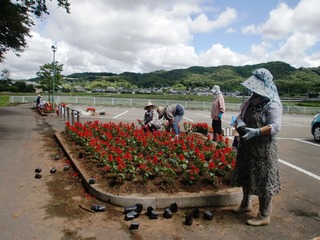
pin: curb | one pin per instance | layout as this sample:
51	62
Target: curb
223	198
42	113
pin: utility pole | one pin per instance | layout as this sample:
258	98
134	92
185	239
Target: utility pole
54	49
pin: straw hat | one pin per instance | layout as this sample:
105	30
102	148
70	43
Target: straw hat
149	104
160	110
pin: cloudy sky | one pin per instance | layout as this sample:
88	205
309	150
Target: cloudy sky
149	35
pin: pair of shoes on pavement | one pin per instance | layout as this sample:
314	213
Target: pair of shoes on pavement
257	221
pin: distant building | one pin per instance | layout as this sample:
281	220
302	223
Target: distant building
38	90
111	89
79	89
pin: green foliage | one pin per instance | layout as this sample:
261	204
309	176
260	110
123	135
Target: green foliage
289	80
48	72
4	100
21	86
16	22
14	27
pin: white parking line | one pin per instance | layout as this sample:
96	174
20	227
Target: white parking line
293	124
299	169
120	114
203	115
188	119
299	140
314	144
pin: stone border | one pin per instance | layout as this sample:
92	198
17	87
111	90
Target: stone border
223	198
42	113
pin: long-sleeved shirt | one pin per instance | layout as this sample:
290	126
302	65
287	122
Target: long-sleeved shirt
271	117
218	106
170	111
152	119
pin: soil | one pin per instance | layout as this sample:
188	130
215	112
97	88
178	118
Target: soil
110	184
70	201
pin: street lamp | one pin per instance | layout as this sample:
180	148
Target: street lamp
54	49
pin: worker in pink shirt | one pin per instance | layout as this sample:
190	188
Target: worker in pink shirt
217	109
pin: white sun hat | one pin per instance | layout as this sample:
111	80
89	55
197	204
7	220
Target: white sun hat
261	82
215	89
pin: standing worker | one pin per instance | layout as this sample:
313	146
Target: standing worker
256	169
38	100
217	109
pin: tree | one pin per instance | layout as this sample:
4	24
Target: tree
16	22
49	72
20	86
179	86
5	75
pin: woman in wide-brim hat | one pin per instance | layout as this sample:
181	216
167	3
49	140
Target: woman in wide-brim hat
174	114
151	118
258	123
149	105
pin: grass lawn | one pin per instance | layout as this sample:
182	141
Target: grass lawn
4	100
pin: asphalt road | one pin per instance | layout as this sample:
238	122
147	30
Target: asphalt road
24	199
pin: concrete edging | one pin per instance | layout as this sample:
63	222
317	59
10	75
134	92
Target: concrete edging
223	198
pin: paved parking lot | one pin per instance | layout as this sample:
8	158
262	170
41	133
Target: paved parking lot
296	210
299	154
297	148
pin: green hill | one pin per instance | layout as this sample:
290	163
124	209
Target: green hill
288	79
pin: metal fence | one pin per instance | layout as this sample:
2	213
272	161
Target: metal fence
68	114
131	102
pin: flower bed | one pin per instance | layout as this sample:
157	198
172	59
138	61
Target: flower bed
125	152
196	127
47	109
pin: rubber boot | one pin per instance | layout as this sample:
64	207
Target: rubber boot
263	217
246	204
259	220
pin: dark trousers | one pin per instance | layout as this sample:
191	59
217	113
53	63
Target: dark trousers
216	125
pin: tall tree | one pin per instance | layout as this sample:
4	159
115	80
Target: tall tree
5	75
50	74
16	22
5	80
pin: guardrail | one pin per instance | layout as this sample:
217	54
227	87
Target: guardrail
68	114
131	102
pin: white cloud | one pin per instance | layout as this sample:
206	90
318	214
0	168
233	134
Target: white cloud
260	51
279	25
293	51
283	21
219	55
143	36
288	34
231	30
169	57
203	24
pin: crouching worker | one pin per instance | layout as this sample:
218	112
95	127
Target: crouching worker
151	118
173	113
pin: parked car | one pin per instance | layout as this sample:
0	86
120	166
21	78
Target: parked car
315	127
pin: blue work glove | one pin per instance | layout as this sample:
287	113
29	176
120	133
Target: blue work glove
233	120
251	132
220	115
